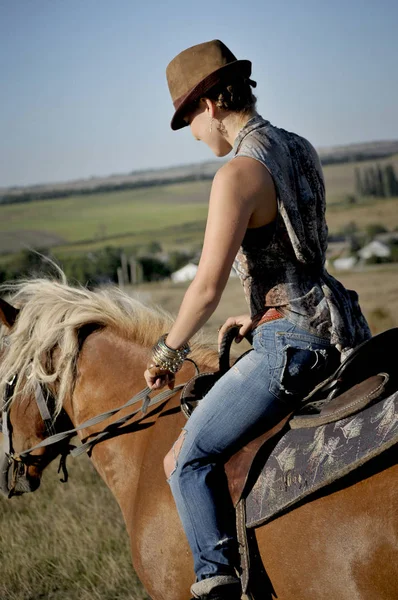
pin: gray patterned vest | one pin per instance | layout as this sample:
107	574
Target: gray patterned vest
283	265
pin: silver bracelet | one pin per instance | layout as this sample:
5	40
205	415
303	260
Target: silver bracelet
169	358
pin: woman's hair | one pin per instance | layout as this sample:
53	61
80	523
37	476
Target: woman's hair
235	95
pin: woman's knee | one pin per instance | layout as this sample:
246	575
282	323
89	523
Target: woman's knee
170	460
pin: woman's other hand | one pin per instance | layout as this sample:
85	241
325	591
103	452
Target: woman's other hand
245	324
156	378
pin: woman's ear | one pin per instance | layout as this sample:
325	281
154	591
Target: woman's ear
8	313
210	107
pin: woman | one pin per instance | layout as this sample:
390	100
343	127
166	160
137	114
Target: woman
267	210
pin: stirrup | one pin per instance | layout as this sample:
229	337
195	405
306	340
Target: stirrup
222	587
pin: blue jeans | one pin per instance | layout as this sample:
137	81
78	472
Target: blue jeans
263	387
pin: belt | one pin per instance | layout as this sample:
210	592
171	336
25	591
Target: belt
270	315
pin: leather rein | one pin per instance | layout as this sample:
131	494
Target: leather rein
20	460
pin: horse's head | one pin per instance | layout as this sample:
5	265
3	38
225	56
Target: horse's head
26	420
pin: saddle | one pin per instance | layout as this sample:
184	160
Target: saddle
346	420
364	377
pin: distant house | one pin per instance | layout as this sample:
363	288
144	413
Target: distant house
186	273
374	248
344	264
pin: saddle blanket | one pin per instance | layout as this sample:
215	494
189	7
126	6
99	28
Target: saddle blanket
305	460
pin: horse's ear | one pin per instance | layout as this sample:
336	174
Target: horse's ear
8	313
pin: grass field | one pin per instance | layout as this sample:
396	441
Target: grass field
173	214
92	217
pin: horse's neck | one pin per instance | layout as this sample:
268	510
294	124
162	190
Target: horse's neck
110	372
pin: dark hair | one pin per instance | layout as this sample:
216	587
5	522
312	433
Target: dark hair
236	95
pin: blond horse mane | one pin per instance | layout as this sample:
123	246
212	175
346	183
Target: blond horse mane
52	314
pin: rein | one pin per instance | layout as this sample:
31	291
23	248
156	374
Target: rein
87	446
18	460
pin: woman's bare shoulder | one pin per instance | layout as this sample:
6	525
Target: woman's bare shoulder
247	182
247	170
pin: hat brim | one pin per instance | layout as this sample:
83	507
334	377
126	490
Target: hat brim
243	67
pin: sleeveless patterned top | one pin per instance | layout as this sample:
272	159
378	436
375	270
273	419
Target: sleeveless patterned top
283	264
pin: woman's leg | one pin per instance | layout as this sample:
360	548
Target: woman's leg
241	404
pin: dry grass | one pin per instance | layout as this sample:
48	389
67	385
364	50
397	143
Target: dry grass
383	212
377	288
378	294
66	542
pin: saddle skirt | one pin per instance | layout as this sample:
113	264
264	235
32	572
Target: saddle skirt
343	423
305	460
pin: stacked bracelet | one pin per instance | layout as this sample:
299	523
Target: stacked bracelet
169	358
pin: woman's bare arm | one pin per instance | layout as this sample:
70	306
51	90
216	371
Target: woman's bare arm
237	190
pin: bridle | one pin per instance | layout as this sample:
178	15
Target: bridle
45	399
20	461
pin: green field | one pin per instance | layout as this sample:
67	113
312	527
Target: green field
172	214
100	217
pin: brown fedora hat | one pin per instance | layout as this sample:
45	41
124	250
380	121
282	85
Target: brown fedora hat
195	70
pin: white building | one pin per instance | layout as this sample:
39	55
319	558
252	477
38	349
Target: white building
344	264
374	248
186	273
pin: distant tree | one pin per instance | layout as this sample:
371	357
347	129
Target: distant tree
350	199
154	247
355	243
154	269
373	229
374	186
376	181
367	183
358	182
381	192
391	183
179	259
350	228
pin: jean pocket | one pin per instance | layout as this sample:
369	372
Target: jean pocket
303	360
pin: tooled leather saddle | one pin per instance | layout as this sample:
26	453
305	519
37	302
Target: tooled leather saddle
367	376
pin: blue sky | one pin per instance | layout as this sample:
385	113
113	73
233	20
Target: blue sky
83	87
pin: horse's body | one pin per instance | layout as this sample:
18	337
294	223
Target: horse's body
343	545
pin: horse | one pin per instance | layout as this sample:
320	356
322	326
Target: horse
88	351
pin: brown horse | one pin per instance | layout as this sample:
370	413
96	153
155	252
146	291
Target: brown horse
89	350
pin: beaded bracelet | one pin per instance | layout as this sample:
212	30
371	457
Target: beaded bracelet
169	358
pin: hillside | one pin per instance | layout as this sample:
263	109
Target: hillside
191	172
171	214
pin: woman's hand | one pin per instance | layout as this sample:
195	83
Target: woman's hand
156	377
245	323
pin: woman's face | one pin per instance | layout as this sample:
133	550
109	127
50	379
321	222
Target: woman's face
205	127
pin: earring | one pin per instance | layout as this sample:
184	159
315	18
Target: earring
221	128
211	124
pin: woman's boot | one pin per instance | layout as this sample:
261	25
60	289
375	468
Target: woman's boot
220	587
